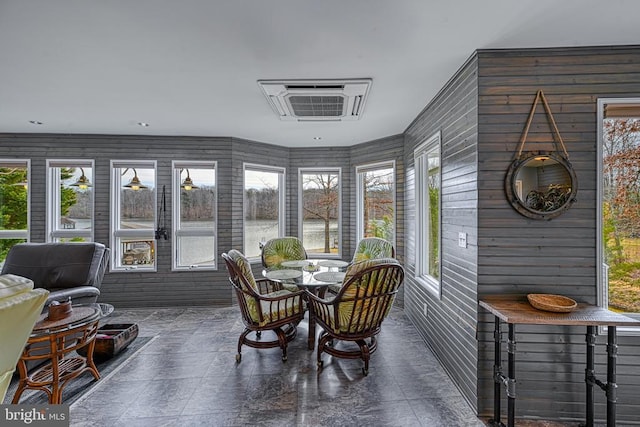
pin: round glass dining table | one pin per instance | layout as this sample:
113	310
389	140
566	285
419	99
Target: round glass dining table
315	275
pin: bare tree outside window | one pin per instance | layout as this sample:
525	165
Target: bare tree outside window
320	210
621	211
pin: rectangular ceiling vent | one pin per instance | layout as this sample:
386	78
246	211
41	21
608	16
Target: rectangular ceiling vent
317	100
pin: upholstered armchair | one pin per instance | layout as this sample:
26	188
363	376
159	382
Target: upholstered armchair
264	305
20	306
66	270
356	313
372	248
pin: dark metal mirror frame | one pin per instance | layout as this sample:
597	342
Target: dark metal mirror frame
520	205
554	201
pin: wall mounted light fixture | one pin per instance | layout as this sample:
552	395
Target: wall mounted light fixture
83	182
187	184
135	183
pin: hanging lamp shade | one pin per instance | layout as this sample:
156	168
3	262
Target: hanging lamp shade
135	183
83	182
188	184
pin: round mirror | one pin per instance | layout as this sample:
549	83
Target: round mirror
541	185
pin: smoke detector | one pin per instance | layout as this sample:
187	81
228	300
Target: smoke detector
317	100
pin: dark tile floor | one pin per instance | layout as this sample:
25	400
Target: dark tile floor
187	376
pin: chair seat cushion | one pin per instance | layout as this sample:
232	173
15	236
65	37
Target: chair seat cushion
287	307
10	285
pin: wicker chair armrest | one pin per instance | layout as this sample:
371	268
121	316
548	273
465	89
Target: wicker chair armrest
320	308
266	286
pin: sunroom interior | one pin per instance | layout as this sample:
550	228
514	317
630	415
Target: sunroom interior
127	99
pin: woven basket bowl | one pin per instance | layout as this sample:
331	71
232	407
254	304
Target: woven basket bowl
550	302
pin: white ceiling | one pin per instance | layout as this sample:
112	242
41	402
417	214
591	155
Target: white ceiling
189	67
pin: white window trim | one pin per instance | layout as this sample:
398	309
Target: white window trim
20	234
601	268
360	195
53	198
282	199
433	285
116	183
176	166
305	171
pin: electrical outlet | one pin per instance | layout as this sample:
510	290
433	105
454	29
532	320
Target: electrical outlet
462	239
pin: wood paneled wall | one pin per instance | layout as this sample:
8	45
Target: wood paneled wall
166	287
448	323
521	255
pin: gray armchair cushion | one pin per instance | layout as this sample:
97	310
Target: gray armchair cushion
65	269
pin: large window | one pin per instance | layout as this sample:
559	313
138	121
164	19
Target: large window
619	204
264	206
428	203
376	198
14	204
194	215
133	215
70	200
320	211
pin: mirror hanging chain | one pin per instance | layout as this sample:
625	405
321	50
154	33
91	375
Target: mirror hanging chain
556	132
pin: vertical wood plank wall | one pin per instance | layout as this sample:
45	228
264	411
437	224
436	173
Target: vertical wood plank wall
448	323
521	255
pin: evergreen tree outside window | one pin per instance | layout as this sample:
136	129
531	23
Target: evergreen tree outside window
428	213
70	200
15	205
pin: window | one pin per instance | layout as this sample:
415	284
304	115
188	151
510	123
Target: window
14	204
133	215
376	198
320	211
428	199
194	215
619	204
70	200
264	206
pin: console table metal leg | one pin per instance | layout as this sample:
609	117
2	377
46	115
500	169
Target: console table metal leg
511	380
498	378
589	373
611	391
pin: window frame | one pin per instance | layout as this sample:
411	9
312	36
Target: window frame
320	170
282	200
601	267
360	171
53	200
421	154
19	234
176	231
115	233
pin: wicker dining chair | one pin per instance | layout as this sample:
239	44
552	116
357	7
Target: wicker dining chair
265	306
280	249
357	311
373	248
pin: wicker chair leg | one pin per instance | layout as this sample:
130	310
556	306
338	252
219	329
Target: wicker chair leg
240	342
365	354
282	342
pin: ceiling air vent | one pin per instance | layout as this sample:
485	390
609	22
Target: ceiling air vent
317	100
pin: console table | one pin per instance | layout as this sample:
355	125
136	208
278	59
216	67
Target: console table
515	309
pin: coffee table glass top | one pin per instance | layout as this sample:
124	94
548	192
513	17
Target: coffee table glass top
82	314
